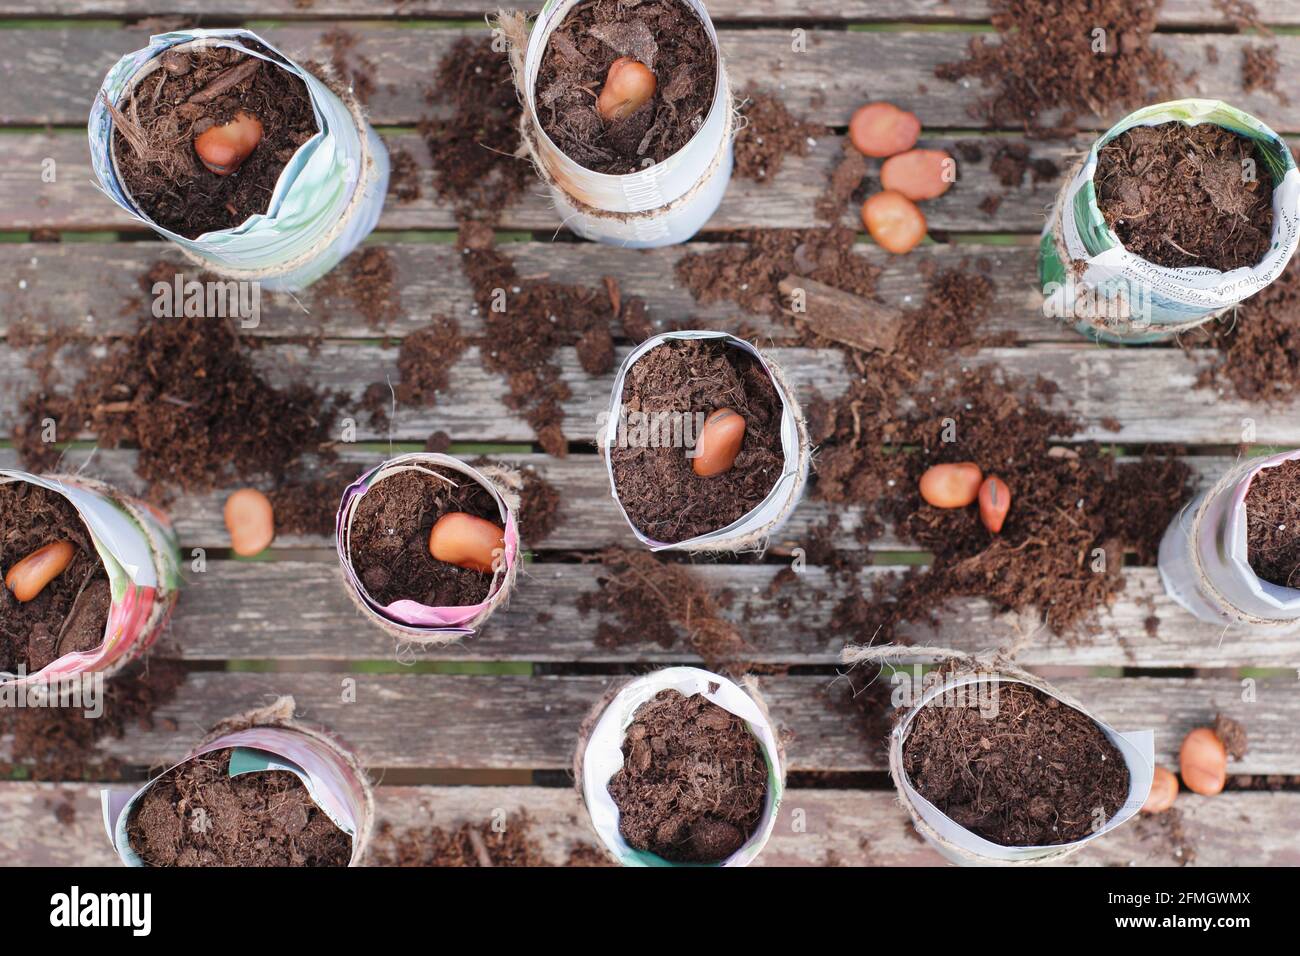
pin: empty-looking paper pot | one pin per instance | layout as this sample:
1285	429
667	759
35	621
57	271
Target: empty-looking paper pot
137	548
265	740
411	617
751	530
971	682
1205	560
600	755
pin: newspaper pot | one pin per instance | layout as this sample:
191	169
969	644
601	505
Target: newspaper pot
661	205
752	530
973	676
327	199
1204	562
600	755
269	739
139	551
1112	295
410	620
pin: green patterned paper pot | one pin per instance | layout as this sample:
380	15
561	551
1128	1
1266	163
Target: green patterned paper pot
328	196
262	741
600	755
138	549
973	682
1090	280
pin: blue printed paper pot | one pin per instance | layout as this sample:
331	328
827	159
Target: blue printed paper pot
262	741
1089	280
327	199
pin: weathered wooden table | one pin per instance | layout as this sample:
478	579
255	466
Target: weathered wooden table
492	723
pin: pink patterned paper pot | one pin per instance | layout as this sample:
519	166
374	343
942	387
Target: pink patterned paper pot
384	537
1205	562
306	798
122	568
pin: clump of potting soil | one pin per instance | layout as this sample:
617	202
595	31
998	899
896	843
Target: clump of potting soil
1273	524
62	743
71	612
357	72
198	815
769	134
474	134
1258	343
665	36
644	599
368	280
1036	773
1043	72
749	271
1260	70
539	317
389	546
404	177
473	844
1177	195
657	486
425	359
155	126
693	780
186	393
844	183
308	504
539	507
1232	734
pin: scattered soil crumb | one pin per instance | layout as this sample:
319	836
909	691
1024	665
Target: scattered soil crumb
1260	70
473	844
368	280
1258	343
770	134
1233	735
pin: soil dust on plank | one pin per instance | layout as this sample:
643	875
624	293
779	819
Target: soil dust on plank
693	780
389	546
154	134
198	815
71	612
1036	773
187	393
769	134
1257	344
1273	524
664	35
657	486
513	844
1043	72
1176	195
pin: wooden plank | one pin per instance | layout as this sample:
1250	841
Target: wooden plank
73	202
494	722
846	827
51	80
1138	388
298	610
53	288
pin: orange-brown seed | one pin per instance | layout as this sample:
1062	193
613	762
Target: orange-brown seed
1203	762
223	149
882	129
28	577
1164	790
894	221
467	541
719	443
951	486
919	173
629	85
250	520
995	502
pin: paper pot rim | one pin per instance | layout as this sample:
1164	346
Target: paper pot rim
288	743
599	763
1137	748
573	167
407	613
786	486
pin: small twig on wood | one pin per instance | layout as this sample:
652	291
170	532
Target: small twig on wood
480	848
227	80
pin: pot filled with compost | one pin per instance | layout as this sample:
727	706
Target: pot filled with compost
681	767
627	115
90	577
1232	556
997	767
706	447
257	169
260	790
1180	211
429	545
